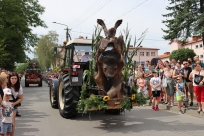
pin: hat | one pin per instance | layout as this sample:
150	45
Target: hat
7	91
154	71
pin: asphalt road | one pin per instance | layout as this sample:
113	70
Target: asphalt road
39	119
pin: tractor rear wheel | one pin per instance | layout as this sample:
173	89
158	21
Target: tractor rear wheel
53	94
67	97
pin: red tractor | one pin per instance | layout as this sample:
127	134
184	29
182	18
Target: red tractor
33	76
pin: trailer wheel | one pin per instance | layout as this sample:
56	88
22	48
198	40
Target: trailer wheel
67	97
53	94
114	111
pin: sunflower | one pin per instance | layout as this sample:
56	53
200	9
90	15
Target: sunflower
106	98
133	96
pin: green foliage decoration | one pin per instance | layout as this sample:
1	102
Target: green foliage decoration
182	54
126	104
87	102
128	68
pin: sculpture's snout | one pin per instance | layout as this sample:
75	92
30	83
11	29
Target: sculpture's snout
109	77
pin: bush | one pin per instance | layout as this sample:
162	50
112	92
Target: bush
182	54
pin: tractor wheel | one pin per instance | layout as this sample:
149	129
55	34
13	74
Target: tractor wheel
67	97
40	85
53	94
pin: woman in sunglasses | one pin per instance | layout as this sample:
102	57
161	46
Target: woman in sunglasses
198	87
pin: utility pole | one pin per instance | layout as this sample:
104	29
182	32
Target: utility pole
67	31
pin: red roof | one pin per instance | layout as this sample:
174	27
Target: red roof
165	55
131	47
193	40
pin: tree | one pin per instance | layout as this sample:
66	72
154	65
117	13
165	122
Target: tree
16	19
186	18
182	54
44	49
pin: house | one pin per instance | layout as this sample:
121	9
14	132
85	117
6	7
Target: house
196	44
164	57
143	54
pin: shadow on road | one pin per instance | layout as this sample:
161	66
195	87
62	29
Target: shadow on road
136	121
29	116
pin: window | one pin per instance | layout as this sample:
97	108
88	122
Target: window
78	53
201	46
147	54
201	56
196	46
152	53
141	53
129	53
142	62
135	53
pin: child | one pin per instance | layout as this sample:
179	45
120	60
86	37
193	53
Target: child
180	93
155	83
142	86
6	127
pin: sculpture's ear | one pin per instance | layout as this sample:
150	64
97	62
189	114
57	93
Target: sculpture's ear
117	24
100	22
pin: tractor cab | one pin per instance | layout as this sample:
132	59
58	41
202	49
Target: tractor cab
76	59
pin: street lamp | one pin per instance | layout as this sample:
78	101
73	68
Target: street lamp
67	31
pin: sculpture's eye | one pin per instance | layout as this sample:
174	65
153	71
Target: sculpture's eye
104	69
115	68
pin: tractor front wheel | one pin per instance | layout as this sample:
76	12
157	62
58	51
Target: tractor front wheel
67	97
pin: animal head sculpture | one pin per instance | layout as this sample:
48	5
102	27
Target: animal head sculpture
110	61
112	31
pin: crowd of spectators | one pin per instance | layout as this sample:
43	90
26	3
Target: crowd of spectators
165	81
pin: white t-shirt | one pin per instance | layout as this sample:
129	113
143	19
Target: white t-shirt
155	81
7	112
15	94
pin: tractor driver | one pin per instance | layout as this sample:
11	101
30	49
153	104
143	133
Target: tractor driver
86	57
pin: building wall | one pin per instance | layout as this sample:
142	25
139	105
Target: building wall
196	46
165	59
143	55
198	49
175	46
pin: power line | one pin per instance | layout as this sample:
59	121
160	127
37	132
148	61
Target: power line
78	18
92	14
129	11
144	8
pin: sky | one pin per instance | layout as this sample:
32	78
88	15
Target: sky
81	16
